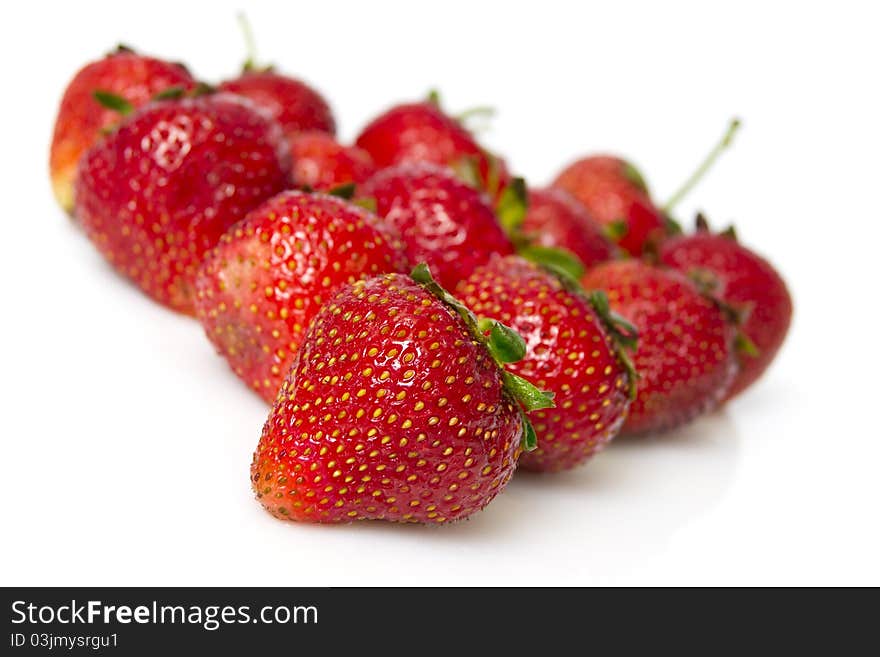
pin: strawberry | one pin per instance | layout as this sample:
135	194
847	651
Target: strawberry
743	280
258	290
423	132
396	408
616	195
441	220
293	104
555	219
322	163
156	194
571	350
81	117
685	356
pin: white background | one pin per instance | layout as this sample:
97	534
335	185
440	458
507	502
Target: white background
126	442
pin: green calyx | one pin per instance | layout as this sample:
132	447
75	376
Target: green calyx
671	226
178	92
113	102
344	191
616	230
504	345
702	226
558	260
513	205
745	346
511	210
121	49
623	333
171	93
433	98
632	174
467	169
367	203
620	327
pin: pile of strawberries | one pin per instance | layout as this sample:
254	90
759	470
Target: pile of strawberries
420	321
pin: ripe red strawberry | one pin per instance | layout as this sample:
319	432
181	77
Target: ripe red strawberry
422	132
745	281
322	163
555	219
571	351
156	194
258	290
441	220
297	107
685	356
394	409
81	117
616	195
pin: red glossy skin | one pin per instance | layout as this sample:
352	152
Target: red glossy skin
296	106
568	352
747	282
556	219
685	356
259	289
81	118
442	221
422	132
606	186
159	192
391	411
322	163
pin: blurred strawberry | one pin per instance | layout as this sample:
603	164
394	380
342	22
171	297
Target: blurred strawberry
746	282
423	132
685	356
441	220
555	219
615	194
322	163
296	106
158	192
131	78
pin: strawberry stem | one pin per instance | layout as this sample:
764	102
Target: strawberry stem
513	205
250	44
703	168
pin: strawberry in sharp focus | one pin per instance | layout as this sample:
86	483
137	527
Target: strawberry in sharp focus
555	219
423	132
441	220
616	195
685	356
322	163
396	408
571	351
81	117
258	290
743	280
157	193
